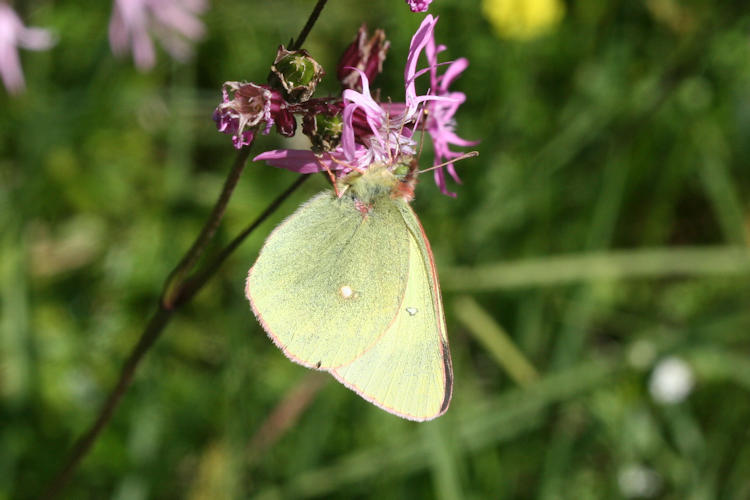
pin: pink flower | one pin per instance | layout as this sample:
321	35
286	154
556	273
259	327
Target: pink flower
304	161
174	22
246	106
13	34
363	54
419	5
388	140
374	133
440	124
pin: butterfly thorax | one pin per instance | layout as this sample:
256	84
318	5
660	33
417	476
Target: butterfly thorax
378	182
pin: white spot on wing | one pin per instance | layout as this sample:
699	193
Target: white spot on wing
412	310
346	291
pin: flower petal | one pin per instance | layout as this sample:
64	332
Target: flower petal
418	42
454	70
302	161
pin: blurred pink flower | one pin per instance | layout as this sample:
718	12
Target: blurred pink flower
419	5
174	22
13	34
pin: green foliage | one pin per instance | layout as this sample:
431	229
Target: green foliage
608	146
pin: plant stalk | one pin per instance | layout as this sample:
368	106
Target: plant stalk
177	291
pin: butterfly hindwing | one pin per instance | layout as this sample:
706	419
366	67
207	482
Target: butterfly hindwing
408	370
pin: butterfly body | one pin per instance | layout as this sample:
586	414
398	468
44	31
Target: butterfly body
347	284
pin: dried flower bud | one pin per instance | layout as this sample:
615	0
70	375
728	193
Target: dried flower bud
364	55
298	73
324	131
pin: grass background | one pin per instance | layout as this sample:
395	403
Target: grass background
603	228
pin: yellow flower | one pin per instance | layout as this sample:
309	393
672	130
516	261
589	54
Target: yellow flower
523	19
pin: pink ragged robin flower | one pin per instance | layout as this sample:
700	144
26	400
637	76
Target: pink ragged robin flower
440	123
174	22
376	134
438	117
14	35
391	140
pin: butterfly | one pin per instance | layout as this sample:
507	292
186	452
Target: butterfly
347	284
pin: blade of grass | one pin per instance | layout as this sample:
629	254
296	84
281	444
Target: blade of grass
15	362
717	365
578	318
285	414
442	459
495	339
717	180
651	263
495	420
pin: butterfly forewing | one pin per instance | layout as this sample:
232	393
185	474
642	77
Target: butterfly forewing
330	280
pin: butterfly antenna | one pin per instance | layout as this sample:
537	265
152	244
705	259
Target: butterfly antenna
470	154
388	133
400	133
424	113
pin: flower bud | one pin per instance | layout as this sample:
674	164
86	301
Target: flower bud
298	73
364	55
418	5
324	131
286	125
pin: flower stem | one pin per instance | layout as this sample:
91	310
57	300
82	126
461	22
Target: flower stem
176	279
83	445
196	282
177	292
297	44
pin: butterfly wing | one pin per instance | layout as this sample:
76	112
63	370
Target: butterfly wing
408	371
330	280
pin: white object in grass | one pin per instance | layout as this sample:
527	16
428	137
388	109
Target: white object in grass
671	381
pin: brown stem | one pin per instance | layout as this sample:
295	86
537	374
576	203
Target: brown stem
176	278
176	293
196	282
308	25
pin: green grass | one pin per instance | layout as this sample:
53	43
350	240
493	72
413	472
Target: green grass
603	227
